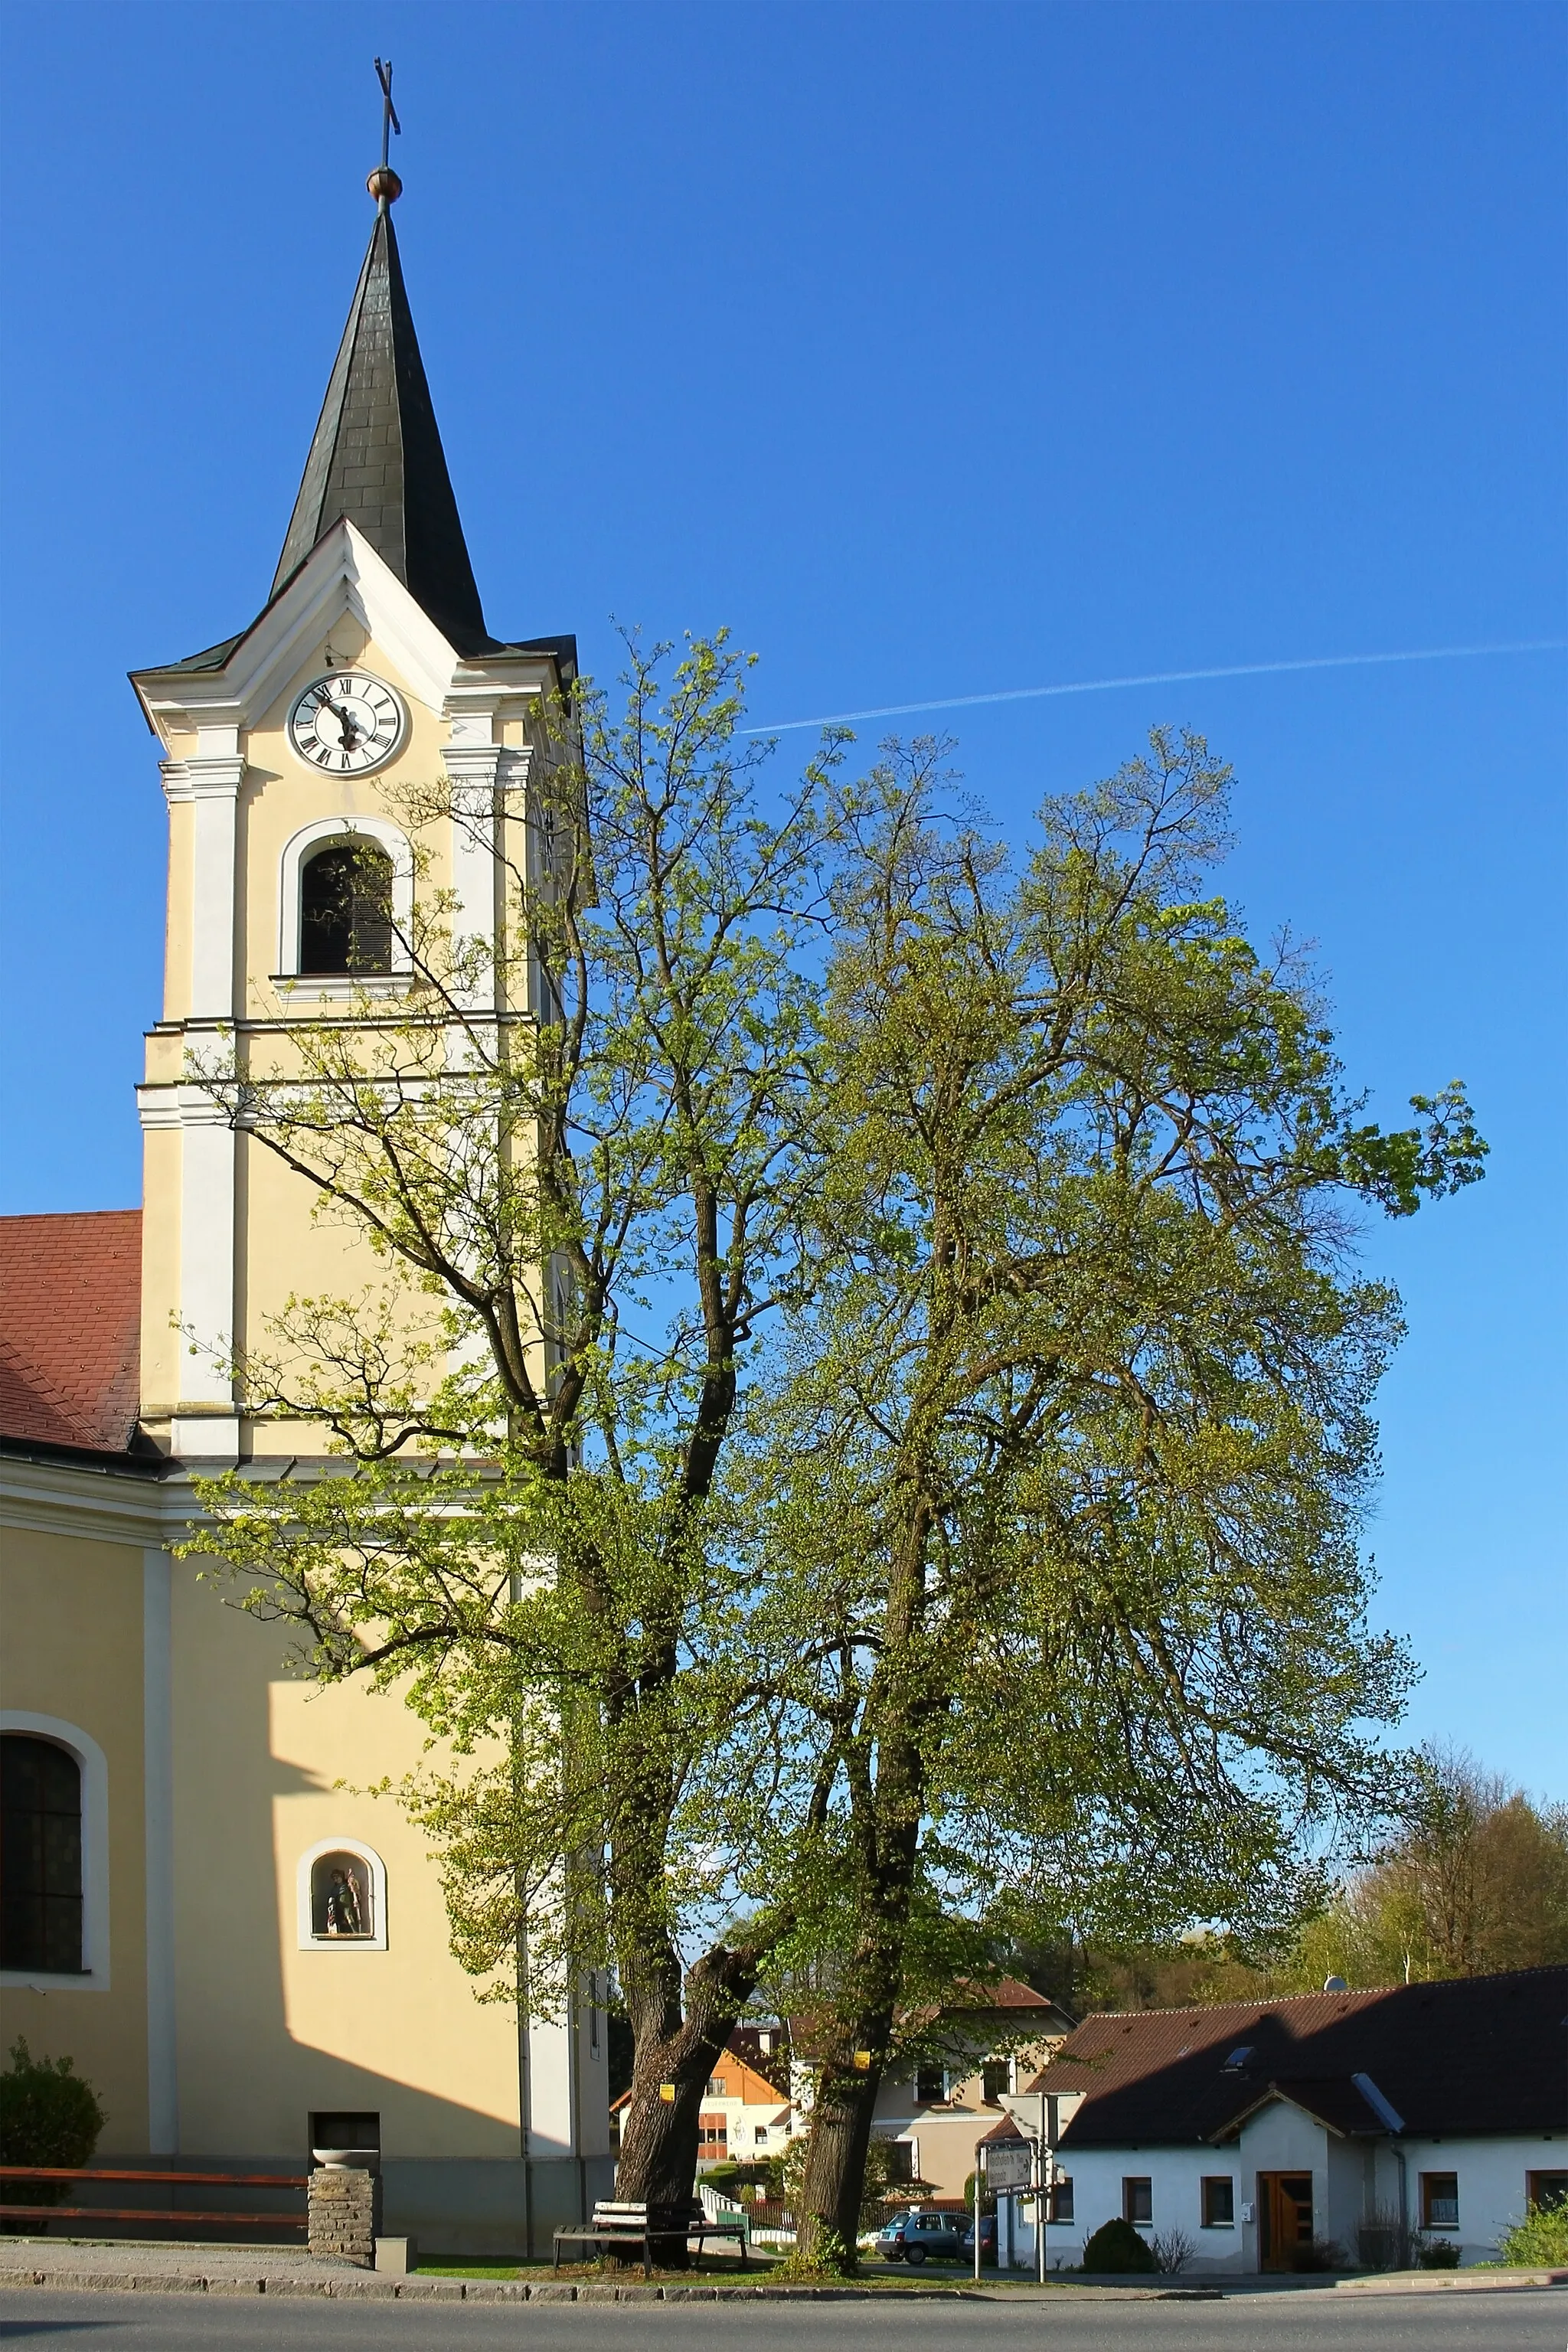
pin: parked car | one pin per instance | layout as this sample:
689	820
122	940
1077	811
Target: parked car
923	2235
987	2239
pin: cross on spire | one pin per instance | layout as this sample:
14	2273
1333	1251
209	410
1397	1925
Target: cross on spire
389	121
383	183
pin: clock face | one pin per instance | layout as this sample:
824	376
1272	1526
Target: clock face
347	723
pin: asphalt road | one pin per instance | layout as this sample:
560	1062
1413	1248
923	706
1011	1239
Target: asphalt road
53	2320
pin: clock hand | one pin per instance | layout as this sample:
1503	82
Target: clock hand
347	722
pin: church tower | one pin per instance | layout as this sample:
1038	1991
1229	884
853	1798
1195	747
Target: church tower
211	1907
370	666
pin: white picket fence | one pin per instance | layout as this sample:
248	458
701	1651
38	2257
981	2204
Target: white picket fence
714	2204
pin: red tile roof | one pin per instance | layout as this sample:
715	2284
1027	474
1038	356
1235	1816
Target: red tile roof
70	1321
1471	2055
997	1992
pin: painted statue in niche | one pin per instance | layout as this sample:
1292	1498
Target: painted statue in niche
346	1913
342	1898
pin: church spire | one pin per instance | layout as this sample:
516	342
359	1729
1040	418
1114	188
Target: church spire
376	456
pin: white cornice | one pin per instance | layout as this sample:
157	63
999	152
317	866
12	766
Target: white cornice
342	573
67	1499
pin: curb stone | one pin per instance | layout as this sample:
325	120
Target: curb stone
1476	2280
363	2287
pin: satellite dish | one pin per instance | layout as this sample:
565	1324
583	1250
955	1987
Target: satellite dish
1335	1984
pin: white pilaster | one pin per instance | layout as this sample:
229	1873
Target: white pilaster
207	1158
473	765
211	779
158	1787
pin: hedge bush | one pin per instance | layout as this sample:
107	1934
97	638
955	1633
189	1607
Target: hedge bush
49	2115
1540	2239
1117	2246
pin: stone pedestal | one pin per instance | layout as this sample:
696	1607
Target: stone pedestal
345	2213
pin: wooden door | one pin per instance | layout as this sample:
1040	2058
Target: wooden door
1284	2217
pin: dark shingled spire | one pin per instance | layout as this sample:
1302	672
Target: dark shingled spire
377	456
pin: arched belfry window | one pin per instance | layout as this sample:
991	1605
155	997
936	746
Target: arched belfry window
40	1856
345	910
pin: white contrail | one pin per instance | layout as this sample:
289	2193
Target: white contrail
1166	678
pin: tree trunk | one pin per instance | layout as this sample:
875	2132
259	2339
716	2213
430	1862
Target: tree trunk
835	2166
676	2054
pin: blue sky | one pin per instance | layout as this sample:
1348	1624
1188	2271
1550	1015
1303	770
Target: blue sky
937	350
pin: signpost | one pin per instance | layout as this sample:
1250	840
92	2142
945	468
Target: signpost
1005	2167
1030	2112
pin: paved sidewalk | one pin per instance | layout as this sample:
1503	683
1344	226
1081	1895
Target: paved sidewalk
171	2269
287	2270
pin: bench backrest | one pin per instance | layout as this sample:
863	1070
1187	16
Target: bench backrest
637	2213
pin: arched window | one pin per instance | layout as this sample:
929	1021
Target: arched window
345	910
40	1856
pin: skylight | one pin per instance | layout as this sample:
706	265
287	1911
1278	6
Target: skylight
1237	2059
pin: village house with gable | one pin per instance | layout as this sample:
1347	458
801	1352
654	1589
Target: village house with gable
1333	2130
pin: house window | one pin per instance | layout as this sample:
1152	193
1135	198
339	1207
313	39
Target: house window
1137	2200
712	2135
931	2084
716	2086
1219	2201
900	2161
1546	2189
1061	2198
40	1856
995	2076
1440	2201
758	2134
345	910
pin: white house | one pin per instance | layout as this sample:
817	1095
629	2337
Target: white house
1364	2122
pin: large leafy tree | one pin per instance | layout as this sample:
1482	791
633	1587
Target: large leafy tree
1061	1488
581	1147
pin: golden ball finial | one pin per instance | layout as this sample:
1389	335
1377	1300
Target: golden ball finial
385	184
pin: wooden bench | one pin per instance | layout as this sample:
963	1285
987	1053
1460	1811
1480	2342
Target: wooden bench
154	2216
639	2223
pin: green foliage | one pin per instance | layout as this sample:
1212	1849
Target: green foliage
1539	2241
1061	1483
1116	2247
49	2115
824	2255
1439	2254
1474	1881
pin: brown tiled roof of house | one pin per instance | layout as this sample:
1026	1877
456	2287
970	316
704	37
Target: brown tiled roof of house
770	2065
71	1317
1473	2055
997	1992
1005	2129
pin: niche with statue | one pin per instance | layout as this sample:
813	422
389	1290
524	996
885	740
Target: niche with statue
342	1898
